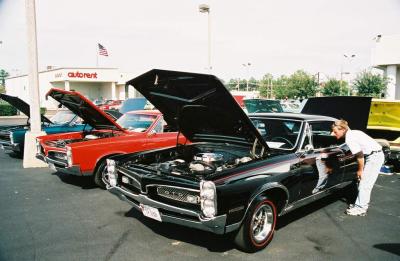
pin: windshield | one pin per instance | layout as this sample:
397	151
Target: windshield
136	122
63	117
258	105
278	133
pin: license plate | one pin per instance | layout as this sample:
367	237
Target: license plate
150	212
51	166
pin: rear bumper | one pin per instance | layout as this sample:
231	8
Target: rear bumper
172	214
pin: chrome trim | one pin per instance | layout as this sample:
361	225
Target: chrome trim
313	197
7	146
73	170
215	224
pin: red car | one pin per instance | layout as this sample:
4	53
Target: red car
111	105
84	153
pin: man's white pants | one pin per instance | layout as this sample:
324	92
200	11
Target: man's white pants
373	164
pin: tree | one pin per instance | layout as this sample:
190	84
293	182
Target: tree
333	87
298	85
237	84
3	76
369	84
305	84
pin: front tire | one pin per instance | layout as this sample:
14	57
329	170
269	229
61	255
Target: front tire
101	175
258	226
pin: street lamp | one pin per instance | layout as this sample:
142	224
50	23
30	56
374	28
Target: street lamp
247	65
349	58
204	8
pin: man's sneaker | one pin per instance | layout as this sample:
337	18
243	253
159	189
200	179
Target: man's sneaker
356	211
350	207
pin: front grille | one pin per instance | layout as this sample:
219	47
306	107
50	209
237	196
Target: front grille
182	195
58	156
5	136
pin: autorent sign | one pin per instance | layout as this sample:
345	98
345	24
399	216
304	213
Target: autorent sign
85	75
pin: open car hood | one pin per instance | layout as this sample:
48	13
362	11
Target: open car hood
262	105
384	115
353	109
84	108
21	106
198	105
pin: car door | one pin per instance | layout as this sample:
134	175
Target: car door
321	164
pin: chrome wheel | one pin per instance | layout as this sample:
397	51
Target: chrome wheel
262	223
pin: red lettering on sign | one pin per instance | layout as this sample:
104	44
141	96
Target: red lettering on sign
78	74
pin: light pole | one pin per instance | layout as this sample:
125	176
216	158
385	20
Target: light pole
204	8
33	77
349	58
247	65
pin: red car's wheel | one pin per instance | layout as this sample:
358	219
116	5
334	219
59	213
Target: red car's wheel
258	226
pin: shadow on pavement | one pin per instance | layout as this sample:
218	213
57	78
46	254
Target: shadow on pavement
347	195
83	182
391	248
214	243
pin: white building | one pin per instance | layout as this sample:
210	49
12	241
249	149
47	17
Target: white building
386	56
94	83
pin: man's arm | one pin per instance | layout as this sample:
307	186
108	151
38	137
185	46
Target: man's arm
360	161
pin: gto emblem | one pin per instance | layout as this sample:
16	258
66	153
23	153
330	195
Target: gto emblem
173	193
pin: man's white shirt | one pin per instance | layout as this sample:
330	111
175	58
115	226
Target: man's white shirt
359	141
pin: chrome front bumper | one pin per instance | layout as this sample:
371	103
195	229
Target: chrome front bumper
62	166
7	146
193	219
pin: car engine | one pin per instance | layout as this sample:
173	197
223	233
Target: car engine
202	164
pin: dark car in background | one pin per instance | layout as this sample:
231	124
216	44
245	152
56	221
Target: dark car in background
240	173
262	105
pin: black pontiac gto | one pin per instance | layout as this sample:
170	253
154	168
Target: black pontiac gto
239	173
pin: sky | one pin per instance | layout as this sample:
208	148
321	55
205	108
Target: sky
277	37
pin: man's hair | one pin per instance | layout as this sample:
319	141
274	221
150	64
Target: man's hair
341	125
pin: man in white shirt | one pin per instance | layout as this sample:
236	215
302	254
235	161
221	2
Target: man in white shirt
370	159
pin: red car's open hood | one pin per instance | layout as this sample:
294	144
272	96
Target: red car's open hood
84	108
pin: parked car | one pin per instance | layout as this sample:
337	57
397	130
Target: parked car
384	124
111	105
240	173
133	104
262	105
84	153
12	137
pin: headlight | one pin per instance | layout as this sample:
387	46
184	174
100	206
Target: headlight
112	173
69	156
11	138
208	198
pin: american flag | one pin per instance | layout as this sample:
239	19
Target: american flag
102	50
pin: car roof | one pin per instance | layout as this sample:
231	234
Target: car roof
294	116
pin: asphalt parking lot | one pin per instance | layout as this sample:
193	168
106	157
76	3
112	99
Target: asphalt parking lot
52	216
